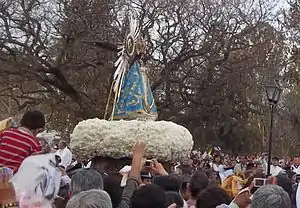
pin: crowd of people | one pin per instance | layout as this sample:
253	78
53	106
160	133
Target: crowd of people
206	180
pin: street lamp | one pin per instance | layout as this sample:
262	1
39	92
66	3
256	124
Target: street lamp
273	94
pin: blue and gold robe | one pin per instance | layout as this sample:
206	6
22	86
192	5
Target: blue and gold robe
136	99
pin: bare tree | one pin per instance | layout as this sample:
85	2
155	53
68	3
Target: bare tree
46	60
206	59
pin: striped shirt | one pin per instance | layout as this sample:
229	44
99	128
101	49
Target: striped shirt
15	146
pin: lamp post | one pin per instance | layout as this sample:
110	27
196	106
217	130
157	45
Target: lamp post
273	94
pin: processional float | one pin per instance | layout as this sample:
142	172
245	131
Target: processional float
133	116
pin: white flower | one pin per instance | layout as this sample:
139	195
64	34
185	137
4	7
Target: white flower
166	141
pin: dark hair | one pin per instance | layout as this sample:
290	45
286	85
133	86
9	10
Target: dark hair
71	170
168	183
185	182
148	196
275	158
33	120
145	175
209	173
112	187
250	166
60	202
216	156
63	142
199	182
174	197
290	173
184	186
212	197
285	182
207	166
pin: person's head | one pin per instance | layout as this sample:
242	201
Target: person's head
250	167
217	159
242	159
33	121
148	196
168	183
212	197
113	188
184	188
146	177
60	202
174	198
275	161
85	180
292	175
211	174
62	144
199	182
94	198
296	161
184	191
270	196
285	182
233	162
207	166
259	168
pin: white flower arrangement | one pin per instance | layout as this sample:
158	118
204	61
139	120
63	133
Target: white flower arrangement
165	141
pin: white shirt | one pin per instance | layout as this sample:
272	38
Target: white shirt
274	170
65	155
298	196
296	169
217	167
82	165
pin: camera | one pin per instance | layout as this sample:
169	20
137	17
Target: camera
259	182
148	163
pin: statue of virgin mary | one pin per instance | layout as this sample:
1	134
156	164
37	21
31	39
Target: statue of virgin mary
133	95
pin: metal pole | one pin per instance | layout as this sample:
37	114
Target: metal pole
270	140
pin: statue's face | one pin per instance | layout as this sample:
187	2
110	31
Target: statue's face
140	46
130	45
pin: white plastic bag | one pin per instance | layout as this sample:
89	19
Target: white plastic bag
124	172
37	182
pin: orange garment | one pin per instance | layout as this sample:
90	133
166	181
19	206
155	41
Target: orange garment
7	193
233	184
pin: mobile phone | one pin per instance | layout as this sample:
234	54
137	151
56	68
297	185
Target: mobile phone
259	182
148	163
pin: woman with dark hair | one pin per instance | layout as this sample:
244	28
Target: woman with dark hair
218	167
217	163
